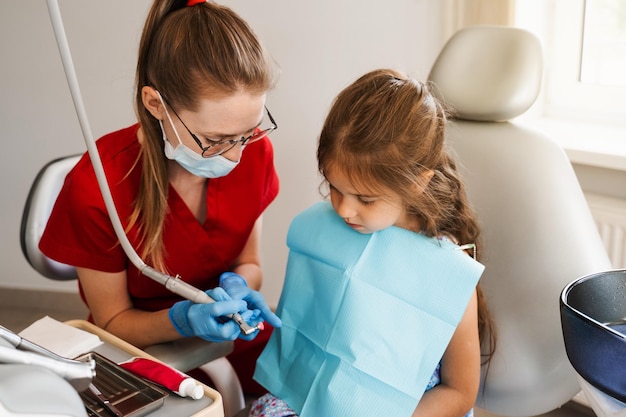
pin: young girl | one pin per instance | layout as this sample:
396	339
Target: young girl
383	155
190	181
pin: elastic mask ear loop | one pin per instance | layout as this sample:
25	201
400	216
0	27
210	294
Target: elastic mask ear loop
169	118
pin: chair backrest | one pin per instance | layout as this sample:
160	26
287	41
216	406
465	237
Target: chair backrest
43	193
538	232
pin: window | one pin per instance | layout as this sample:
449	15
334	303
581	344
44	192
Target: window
603	60
585	49
460	13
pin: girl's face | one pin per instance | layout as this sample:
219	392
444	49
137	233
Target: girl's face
364	211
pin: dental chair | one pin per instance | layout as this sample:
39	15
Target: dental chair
538	232
184	354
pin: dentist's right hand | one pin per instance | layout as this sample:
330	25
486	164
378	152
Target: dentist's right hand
207	320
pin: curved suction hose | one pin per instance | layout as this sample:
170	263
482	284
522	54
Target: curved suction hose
174	284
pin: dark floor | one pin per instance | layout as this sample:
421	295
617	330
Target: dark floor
20	308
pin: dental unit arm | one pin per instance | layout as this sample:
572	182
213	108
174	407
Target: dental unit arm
79	374
174	284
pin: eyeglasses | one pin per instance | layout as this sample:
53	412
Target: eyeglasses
223	146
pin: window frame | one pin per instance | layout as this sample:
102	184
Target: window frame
564	96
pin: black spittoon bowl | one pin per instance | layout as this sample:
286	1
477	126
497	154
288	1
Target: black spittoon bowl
593	319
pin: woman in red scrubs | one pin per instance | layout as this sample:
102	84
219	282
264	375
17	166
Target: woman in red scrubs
190	182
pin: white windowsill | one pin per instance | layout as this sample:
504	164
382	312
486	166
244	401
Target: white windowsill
595	144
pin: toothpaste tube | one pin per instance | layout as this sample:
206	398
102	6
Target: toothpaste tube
164	375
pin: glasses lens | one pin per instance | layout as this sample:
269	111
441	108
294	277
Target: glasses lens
218	149
258	135
267	126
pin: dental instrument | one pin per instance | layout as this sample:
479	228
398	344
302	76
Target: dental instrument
78	373
104	401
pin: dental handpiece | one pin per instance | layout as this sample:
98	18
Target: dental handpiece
180	287
79	374
20	343
243	326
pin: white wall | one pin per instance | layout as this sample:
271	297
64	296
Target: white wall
321	46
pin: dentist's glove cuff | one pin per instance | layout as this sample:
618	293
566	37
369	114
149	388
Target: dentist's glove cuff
178	316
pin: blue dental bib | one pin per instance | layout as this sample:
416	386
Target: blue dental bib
366	317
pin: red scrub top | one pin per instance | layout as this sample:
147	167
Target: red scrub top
80	233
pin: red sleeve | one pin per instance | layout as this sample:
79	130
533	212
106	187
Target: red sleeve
79	231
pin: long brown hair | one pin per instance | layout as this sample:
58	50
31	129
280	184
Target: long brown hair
387	130
187	53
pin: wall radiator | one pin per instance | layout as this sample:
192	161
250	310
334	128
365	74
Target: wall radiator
610	217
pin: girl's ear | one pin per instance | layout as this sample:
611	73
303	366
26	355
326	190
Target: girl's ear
152	102
424	180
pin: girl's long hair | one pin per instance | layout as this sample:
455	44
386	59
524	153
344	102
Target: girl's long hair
387	130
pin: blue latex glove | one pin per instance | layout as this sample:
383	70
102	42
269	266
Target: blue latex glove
207	320
237	288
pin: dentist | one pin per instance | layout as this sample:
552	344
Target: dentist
190	181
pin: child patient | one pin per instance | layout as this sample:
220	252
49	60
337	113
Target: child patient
384	159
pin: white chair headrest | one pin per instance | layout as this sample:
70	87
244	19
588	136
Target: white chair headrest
489	73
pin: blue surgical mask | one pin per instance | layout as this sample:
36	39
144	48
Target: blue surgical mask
212	167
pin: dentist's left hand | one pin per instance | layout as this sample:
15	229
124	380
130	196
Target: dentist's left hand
208	321
237	288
